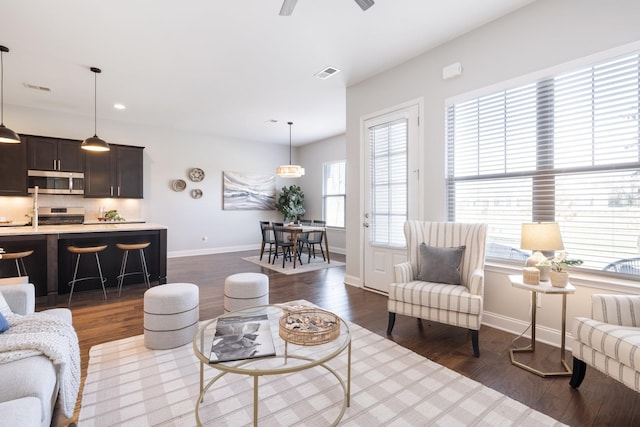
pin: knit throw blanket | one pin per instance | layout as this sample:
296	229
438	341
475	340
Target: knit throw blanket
42	333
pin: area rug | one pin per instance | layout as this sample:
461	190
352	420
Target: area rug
316	264
130	385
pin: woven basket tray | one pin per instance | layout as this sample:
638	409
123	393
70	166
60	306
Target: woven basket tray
309	326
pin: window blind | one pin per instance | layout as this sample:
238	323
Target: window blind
565	149
388	148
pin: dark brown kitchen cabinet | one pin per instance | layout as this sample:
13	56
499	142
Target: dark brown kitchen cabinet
13	169
115	173
54	154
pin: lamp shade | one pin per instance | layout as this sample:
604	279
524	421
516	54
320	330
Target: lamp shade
8	136
541	236
95	143
290	171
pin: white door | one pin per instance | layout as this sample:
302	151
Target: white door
391	191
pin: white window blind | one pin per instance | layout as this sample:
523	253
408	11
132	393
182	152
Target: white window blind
334	193
388	147
562	149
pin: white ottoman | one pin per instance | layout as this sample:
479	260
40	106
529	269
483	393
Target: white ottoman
170	315
245	290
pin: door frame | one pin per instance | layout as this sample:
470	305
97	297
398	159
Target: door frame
364	141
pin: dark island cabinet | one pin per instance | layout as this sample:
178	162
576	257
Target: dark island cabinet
54	154
116	173
13	169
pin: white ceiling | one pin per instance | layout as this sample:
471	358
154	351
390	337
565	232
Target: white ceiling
218	67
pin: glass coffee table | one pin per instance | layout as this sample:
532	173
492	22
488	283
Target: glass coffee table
288	357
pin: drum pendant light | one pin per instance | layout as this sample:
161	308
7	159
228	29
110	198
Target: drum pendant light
95	143
290	171
7	136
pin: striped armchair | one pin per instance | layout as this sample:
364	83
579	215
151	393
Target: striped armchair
610	340
457	305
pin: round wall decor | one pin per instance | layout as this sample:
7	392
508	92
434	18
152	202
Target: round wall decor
178	185
196	193
196	174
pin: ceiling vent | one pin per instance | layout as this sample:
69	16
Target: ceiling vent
327	72
36	87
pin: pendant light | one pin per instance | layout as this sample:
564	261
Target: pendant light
290	171
7	136
95	143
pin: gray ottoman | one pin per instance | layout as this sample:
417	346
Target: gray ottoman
245	290
170	315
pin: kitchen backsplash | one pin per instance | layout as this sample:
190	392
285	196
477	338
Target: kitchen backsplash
16	209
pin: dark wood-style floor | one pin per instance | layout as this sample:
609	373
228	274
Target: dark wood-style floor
599	401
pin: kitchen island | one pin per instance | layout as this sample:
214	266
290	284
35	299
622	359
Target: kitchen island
50	267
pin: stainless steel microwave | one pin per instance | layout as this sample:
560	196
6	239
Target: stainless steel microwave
54	182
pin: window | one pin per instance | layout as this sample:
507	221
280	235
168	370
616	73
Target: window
388	148
564	148
334	193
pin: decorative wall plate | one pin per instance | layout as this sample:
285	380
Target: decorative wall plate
196	174
178	185
196	193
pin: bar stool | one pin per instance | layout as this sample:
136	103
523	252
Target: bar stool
86	250
19	259
126	247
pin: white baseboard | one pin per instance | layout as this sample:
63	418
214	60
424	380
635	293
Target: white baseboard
516	326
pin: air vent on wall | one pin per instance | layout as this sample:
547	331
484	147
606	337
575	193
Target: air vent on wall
36	87
327	72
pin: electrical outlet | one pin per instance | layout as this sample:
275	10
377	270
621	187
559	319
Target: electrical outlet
539	300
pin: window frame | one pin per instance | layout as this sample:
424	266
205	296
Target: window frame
340	195
541	78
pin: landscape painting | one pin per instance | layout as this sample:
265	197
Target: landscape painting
248	191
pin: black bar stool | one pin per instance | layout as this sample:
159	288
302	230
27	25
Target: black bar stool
126	247
86	250
19	259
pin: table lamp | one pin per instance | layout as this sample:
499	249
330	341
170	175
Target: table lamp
538	237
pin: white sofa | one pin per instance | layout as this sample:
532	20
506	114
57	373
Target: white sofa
610	340
28	387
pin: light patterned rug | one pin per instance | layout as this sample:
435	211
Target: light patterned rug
130	385
316	264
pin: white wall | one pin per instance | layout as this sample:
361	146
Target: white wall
541	35
312	157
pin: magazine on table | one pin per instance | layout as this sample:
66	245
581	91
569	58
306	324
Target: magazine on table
242	337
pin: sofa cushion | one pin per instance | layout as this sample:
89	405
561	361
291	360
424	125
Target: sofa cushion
30	377
5	310
621	343
441	296
23	412
440	265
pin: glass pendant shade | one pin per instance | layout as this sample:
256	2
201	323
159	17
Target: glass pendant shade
95	143
290	171
7	136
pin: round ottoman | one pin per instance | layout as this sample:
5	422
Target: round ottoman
170	315
245	290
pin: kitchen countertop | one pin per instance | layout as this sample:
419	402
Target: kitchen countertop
80	228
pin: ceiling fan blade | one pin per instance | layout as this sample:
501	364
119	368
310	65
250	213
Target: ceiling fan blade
287	7
365	4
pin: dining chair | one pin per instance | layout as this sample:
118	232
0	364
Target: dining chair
284	243
267	238
315	238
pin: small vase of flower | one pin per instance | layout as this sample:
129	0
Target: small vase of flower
559	276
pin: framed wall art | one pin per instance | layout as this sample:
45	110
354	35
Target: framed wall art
248	191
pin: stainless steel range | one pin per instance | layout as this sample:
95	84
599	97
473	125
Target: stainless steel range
60	216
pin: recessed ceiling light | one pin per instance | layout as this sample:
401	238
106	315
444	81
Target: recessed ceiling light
119	107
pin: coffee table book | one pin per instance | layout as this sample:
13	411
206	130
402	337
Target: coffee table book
242	337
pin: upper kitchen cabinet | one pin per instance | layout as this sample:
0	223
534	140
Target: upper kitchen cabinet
54	154
114	173
13	169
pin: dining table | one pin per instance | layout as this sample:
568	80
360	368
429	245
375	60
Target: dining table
296	230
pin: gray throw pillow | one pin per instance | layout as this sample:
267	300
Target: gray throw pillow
440	265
